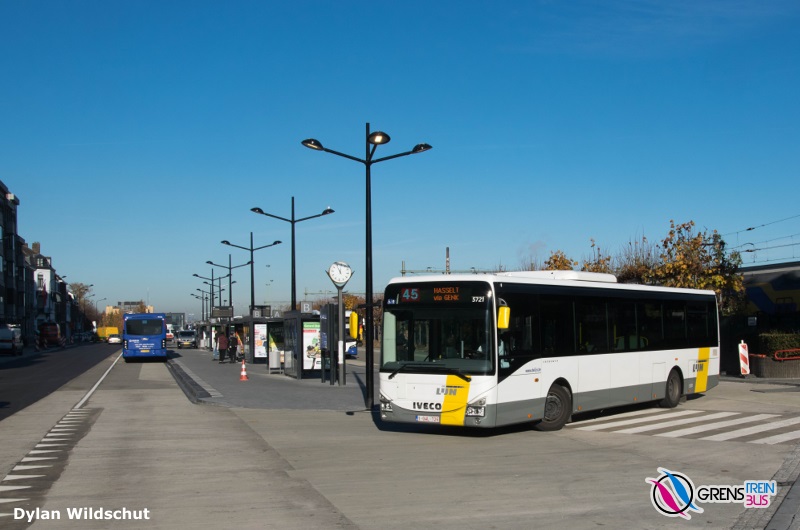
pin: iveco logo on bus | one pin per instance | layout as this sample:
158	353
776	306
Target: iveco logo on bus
419	405
447	390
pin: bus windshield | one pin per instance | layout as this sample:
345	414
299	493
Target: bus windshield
144	327
418	335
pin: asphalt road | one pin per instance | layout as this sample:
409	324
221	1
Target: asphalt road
27	379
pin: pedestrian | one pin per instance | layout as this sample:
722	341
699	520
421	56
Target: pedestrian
233	342
222	345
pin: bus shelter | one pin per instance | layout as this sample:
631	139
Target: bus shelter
269	343
301	334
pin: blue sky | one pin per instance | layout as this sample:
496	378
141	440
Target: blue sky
138	134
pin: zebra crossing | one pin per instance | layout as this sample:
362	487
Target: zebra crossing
693	424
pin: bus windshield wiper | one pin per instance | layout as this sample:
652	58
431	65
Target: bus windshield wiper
423	367
411	367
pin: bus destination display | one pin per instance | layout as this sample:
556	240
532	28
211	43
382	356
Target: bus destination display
437	294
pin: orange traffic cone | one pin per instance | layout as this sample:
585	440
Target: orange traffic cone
243	377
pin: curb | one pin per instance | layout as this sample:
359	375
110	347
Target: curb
193	391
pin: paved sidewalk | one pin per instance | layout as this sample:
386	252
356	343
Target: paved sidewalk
206	381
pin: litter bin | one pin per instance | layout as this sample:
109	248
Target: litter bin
275	361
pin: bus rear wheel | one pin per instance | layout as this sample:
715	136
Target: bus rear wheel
557	409
673	391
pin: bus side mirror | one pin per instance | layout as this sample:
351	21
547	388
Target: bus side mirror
354	325
503	317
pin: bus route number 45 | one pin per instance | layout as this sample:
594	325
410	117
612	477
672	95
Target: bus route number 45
410	295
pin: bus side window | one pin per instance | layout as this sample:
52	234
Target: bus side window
622	320
558	335
590	314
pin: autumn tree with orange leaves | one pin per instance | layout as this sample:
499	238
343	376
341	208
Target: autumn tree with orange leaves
558	261
698	260
685	258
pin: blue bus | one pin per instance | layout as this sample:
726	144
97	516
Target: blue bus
144	335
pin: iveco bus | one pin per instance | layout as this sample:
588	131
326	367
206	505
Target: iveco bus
484	350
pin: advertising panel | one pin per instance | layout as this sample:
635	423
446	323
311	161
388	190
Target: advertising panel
312	356
261	341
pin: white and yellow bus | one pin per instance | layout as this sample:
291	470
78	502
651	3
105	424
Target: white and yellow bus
485	350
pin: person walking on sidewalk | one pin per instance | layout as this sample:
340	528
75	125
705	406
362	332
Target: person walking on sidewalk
233	342
222	346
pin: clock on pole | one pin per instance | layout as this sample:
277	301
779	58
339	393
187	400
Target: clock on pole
340	272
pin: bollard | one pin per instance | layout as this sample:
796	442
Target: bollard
744	359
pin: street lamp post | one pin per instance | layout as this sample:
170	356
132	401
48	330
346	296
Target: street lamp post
211	298
293	222
230	274
202	304
208	296
97	311
252	338
373	140
216	291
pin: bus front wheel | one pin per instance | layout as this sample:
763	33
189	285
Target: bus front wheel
557	409
673	391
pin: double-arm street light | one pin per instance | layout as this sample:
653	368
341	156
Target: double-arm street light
373	140
230	274
202	299
293	222
83	302
252	249
216	290
211	294
97	311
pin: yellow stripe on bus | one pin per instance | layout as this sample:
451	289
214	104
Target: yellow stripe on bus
701	383
456	393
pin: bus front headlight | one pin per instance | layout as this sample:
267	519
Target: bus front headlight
477	408
386	404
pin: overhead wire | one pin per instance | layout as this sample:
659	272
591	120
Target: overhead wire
766	245
751	228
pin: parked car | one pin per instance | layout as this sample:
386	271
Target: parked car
187	338
114	339
10	340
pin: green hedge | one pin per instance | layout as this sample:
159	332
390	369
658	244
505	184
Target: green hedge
772	341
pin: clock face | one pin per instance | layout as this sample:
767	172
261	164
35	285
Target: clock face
340	272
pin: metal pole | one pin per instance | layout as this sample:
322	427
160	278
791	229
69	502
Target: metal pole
342	340
294	284
369	332
252	303
211	300
230	283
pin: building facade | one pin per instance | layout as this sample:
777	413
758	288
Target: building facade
12	263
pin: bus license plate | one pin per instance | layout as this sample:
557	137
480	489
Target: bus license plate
428	419
145	351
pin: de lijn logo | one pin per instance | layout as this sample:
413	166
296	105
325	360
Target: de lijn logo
674	495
